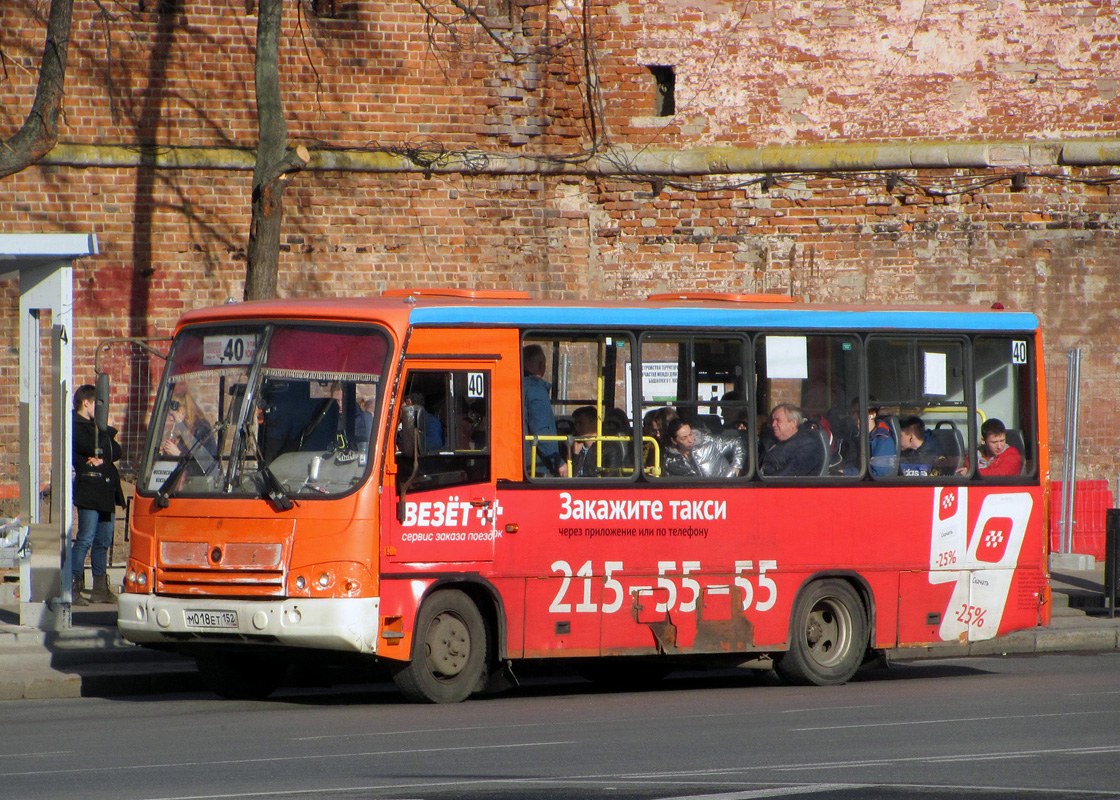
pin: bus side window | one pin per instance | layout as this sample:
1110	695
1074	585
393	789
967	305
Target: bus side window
577	406
702	380
918	384
1004	398
443	428
815	378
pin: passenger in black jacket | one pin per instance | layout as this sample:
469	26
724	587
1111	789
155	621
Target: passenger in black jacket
796	451
97	493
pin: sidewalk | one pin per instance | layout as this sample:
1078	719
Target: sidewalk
1079	622
88	660
91	659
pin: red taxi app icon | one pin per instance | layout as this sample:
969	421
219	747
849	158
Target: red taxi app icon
994	539
948	505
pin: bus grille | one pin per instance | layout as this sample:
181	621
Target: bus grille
220	569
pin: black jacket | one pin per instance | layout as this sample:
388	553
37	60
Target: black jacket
98	488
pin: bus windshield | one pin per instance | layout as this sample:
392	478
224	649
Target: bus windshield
273	410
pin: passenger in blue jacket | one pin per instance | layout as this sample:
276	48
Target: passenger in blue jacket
884	449
536	395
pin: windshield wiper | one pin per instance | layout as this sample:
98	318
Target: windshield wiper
274	490
163	494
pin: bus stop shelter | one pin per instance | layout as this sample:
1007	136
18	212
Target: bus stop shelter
44	266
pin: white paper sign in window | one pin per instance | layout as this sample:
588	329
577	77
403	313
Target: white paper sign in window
787	357
937	373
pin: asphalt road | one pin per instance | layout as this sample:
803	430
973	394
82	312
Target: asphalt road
999	728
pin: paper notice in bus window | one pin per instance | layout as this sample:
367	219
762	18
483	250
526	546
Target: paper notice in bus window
787	357
937	375
160	472
659	381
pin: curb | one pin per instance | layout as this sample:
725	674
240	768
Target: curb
176	675
1036	641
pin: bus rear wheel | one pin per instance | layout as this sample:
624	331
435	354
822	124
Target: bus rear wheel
449	658
828	636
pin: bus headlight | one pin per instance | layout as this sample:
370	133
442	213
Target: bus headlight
137	577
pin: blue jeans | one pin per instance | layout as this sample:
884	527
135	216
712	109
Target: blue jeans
94	536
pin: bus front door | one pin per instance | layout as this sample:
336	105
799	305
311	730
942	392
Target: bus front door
443	503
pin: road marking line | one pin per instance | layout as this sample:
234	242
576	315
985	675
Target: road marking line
952	759
322	756
777	791
944	721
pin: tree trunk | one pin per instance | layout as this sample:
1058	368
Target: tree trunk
40	130
275	163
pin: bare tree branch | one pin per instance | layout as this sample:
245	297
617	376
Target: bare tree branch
40	130
275	164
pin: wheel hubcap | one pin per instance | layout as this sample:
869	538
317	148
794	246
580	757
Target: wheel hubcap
829	632
448	645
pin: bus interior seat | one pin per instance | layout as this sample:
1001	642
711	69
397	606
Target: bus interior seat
892	423
565	426
1016	440
951	441
825	439
612	427
710	423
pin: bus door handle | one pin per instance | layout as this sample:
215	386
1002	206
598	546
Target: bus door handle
480	502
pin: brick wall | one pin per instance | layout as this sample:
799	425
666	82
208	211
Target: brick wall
768	72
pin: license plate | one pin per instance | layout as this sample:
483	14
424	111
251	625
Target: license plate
211	619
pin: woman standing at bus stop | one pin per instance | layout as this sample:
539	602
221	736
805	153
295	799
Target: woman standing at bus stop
97	493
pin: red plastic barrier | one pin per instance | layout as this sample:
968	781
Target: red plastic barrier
1092	500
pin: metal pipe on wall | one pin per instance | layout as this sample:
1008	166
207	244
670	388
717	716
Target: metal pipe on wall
1073	403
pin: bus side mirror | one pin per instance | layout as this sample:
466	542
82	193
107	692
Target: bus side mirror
101	402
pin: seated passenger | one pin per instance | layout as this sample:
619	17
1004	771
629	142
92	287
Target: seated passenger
616	423
997	457
433	428
585	459
363	423
653	425
688	453
884	449
796	451
731	409
920	455
190	432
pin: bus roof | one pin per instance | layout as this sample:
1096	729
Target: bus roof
481	309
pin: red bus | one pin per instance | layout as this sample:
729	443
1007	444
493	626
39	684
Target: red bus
453	481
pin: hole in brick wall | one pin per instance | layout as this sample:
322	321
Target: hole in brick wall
499	14
329	9
166	7
665	90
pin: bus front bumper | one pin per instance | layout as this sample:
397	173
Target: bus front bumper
346	624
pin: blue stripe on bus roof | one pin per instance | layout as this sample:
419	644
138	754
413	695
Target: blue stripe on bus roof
691	317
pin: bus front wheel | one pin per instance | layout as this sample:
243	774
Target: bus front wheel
828	635
449	660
